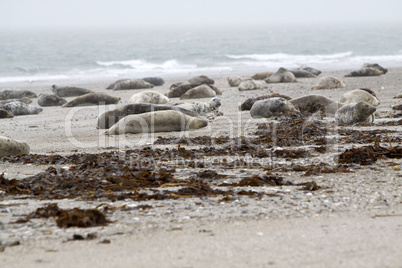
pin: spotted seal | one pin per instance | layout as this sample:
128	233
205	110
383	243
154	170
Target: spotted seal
159	121
92	99
68	91
208	109
328	82
149	97
10	147
247	104
46	99
25	100
16	94
272	107
355	113
20	108
107	119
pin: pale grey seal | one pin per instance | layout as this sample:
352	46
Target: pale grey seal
357	95
355	113
149	97
251	84
156	81
68	91
282	75
234	80
329	82
159	121
272	107
124	84
46	99
208	109
92	99
10	147
365	71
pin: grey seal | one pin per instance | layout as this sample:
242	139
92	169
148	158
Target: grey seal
125	84
16	94
149	97
208	109
20	108
247	104
365	71
329	82
200	80
377	66
92	99
25	100
107	119
357	95
46	99
315	103
156	81
282	75
234	81
251	84
68	91
261	75
11	147
301	73
201	91
355	113
272	107
176	91
159	121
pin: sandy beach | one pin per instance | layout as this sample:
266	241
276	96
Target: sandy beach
353	219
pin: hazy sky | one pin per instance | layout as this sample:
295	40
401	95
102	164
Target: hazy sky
27	14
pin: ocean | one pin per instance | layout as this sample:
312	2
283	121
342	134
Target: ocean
79	56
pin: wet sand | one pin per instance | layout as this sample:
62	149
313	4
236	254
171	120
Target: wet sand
353	221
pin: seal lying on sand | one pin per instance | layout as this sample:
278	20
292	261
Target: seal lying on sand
355	113
251	84
25	100
10	147
281	76
208	109
107	119
201	91
45	99
129	84
357	95
365	71
156	81
201	80
315	103
16	94
160	121
6	114
20	108
272	107
92	99
329	82
377	66
234	81
300	73
149	97
69	91
247	104
262	75
179	90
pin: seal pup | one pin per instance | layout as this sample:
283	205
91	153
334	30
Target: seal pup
16	94
315	103
261	75
357	95
251	84
6	114
272	107
107	119
208	109
149	97
25	100
46	99
247	104
355	113
20	108
328	82
10	147
282	75
92	99
365	71
200	80
198	92
159	121
69	91
156	81
234	81
130	84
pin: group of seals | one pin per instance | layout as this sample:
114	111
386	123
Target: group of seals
10	147
194	88
96	98
282	75
157	121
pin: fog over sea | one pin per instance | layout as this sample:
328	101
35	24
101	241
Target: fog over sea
79	56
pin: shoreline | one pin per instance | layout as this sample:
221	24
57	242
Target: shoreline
353	220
